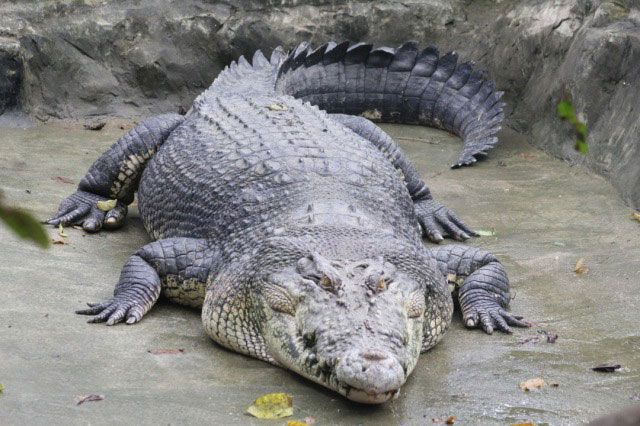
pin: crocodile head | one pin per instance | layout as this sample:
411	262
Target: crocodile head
354	327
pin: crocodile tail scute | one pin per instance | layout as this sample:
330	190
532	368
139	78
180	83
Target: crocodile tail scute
403	85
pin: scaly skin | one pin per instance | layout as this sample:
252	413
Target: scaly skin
298	233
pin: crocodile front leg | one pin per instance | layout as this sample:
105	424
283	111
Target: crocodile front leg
435	219
483	293
179	267
115	176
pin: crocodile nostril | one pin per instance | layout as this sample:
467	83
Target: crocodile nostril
373	355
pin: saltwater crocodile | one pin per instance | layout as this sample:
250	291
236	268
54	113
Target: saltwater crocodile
295	223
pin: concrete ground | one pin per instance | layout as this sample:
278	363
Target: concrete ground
545	214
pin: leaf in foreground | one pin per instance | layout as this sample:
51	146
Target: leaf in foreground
607	368
106	205
532	384
88	398
565	112
272	406
24	225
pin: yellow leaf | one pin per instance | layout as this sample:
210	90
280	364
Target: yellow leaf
485	233
61	231
635	216
581	267
277	107
106	205
272	406
1	388
532	384
297	423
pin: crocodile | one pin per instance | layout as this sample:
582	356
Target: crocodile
295	224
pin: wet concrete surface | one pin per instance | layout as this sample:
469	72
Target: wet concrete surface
545	214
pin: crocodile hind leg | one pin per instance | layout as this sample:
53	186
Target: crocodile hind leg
115	176
179	267
482	287
435	219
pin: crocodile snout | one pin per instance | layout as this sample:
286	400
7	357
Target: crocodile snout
371	374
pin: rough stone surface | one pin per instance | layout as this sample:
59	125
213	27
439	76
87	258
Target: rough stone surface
136	58
534	203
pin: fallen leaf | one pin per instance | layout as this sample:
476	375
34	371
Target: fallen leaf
1	388
106	205
486	233
607	368
581	267
528	156
447	420
63	179
61	231
296	423
277	107
272	406
532	384
88	398
635	216
58	240
95	125
166	351
551	337
531	339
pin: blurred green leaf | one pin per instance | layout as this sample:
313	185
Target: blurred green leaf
24	225
565	112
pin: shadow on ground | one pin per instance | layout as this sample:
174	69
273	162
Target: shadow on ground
545	215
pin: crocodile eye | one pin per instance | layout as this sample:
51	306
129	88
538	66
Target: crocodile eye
416	305
279	299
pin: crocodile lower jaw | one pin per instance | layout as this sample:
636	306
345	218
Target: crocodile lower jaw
363	397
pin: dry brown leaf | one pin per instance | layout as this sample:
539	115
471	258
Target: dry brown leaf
532	384
88	398
58	240
581	267
63	179
607	368
166	351
447	420
272	406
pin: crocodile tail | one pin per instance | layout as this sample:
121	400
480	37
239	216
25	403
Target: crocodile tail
403	85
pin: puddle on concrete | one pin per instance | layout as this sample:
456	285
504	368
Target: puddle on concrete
545	216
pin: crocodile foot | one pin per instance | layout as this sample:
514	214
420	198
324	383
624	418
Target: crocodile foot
487	314
115	310
438	221
81	207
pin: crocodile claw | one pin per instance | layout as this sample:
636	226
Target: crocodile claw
492	317
81	208
438	221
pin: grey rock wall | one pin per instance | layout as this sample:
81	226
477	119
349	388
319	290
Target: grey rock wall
81	58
